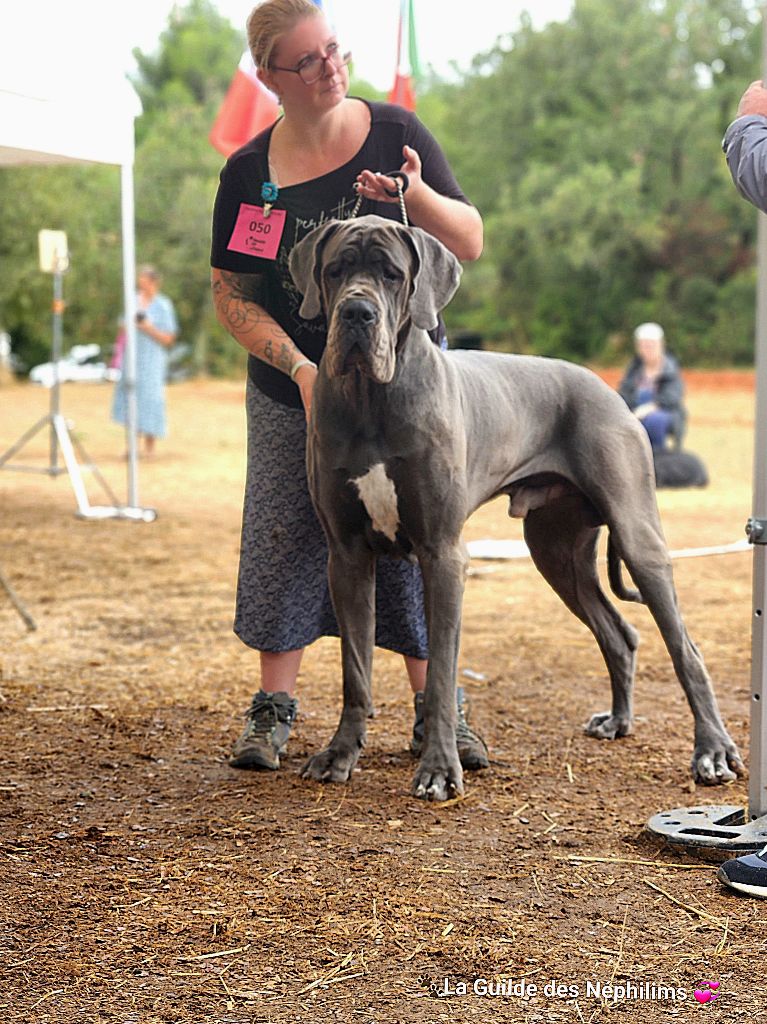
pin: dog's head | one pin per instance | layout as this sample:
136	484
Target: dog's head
372	278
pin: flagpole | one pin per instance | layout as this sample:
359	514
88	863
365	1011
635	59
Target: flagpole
406	73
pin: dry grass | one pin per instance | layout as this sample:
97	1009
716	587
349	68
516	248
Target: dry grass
145	881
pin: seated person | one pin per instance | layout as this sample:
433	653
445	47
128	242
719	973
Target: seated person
652	387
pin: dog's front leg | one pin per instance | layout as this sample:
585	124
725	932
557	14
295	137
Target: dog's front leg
439	775
351	573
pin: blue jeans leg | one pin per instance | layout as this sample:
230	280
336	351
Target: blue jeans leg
657	424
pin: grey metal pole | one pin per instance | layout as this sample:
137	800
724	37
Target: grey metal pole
757	791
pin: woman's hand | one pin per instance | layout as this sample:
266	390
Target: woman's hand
305	377
456	224
164	338
373	185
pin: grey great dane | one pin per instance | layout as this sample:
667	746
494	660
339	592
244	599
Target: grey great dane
406	441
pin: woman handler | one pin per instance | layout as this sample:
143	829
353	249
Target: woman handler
286	181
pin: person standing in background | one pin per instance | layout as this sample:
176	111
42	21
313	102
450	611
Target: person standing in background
156	331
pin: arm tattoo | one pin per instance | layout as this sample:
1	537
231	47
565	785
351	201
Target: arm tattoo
249	323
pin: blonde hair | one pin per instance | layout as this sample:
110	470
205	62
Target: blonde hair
272	19
150	271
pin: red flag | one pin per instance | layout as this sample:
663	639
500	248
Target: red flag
248	108
403	90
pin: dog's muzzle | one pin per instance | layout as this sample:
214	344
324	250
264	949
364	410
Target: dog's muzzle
358	322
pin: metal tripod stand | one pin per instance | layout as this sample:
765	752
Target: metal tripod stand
61	441
17	602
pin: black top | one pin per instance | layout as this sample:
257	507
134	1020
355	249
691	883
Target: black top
308	205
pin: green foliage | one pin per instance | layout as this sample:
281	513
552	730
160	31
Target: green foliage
591	147
176	174
366	91
193	65
731	337
84	202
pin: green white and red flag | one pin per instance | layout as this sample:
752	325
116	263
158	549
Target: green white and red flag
408	70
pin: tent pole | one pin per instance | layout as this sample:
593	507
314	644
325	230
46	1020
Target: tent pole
129	304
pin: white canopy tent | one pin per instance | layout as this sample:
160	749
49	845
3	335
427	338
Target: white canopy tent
87	125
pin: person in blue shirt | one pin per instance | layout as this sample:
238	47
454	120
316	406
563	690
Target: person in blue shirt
156	331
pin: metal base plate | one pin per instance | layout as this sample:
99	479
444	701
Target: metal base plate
139	515
723	827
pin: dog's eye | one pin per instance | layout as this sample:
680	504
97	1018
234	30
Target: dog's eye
392	274
333	272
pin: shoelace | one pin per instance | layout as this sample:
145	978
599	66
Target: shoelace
266	713
462	728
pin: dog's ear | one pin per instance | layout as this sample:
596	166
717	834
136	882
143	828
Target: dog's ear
305	266
436	275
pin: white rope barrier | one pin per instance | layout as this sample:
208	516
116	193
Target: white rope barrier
506	550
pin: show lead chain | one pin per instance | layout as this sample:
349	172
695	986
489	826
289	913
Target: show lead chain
401	182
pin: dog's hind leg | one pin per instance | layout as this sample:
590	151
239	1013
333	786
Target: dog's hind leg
715	758
351	573
562	541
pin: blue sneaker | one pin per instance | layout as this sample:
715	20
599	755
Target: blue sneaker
746	874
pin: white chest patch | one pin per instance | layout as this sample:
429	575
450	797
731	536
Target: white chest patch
379	496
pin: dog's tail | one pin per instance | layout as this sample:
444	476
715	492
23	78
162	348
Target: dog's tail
615	576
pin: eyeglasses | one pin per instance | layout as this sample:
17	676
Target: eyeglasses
311	69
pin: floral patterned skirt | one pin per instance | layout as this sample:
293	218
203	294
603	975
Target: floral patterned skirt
283	600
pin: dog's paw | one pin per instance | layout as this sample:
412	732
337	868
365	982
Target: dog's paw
717	762
438	783
331	765
606	726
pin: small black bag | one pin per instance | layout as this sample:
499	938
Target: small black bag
674	468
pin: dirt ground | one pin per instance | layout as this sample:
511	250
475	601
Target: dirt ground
146	881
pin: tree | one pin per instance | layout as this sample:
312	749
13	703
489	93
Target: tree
592	149
194	64
84	201
182	86
176	175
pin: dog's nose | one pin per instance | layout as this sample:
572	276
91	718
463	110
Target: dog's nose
359	313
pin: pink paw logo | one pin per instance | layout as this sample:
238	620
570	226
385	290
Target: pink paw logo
707	992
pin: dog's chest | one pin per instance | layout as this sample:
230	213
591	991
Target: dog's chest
378	494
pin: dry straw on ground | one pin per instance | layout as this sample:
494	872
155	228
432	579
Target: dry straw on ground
145	881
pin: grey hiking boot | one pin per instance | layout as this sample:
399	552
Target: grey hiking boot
267	728
472	749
